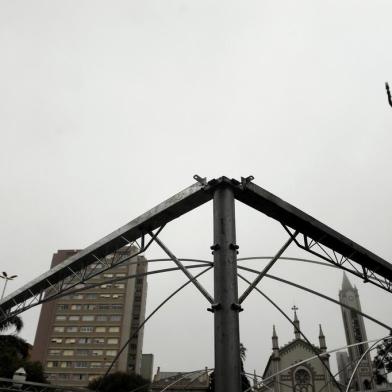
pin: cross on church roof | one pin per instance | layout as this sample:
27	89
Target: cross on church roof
295	308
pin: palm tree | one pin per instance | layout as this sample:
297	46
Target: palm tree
14	321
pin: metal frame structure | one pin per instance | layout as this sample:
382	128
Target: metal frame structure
304	230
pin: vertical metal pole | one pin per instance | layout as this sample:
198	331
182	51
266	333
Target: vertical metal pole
226	307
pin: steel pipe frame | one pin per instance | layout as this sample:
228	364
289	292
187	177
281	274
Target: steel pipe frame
373	268
226	307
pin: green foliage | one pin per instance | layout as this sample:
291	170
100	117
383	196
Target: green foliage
119	382
382	363
34	372
14	353
14	321
244	379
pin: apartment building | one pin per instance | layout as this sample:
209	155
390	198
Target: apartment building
79	335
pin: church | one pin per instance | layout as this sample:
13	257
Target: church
291	374
313	376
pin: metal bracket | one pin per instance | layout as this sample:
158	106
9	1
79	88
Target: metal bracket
246	180
234	247
236	307
214	307
215	247
202	181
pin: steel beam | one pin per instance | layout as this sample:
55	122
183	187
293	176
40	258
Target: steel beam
179	204
271	205
226	307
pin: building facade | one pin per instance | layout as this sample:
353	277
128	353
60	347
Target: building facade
354	329
311	376
79	335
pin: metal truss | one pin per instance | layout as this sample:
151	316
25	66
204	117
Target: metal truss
345	262
306	231
7	384
76	278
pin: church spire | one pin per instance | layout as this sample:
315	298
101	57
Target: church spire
323	345
275	343
296	323
346	284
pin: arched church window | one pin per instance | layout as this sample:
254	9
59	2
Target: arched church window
302	381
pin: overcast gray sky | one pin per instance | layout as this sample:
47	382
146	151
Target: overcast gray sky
109	107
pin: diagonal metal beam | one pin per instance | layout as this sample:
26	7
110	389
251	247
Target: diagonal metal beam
266	269
184	270
278	209
177	205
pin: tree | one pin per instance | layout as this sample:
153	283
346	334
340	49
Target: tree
382	363
244	380
119	382
14	353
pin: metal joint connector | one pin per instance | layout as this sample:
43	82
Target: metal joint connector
246	180
215	247
202	181
234	246
236	307
214	307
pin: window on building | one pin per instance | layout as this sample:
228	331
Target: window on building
119	285
66	364
88	318
86	329
81	364
70	341
76	307
56	340
102	318
82	352
68	353
121	275
117	306
91	296
90	307
114	329
108	275
111	353
58	329
54	352
61	318
100	329
95	364
62	307
113	341
84	340
96	353
116	296
115	317
74	318
104	295
77	296
72	329
98	340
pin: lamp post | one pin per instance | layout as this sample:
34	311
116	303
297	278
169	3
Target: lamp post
5	276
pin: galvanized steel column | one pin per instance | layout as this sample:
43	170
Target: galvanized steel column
226	308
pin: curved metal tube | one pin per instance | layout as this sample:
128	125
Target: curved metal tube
149	316
360	360
296	328
314	357
319	295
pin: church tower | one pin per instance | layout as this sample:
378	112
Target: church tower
354	329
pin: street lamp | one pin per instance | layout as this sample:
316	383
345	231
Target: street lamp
5	276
